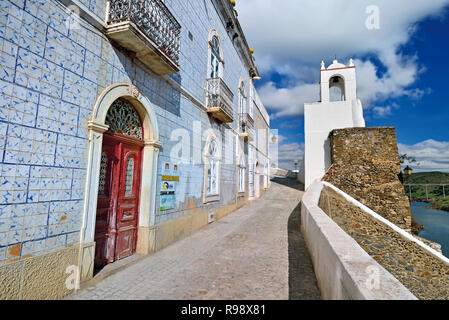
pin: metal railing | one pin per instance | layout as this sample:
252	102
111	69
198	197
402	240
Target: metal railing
220	96
153	18
246	118
246	124
426	187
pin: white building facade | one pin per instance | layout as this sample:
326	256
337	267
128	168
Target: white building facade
124	126
339	108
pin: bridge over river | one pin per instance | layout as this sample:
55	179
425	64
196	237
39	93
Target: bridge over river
426	187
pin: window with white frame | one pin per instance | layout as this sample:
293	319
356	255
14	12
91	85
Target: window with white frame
242	97
212	168
242	173
215	57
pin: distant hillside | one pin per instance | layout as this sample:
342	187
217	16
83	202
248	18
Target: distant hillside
428	177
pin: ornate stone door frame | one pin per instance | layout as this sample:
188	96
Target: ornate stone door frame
147	208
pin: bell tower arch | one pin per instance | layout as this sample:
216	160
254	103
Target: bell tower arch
340	76
338	108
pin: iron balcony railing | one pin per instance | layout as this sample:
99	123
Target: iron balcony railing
246	118
220	99
154	19
246	125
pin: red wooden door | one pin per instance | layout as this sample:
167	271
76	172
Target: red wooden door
118	199
128	201
105	207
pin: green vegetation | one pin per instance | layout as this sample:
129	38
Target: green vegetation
436	196
428	177
404	158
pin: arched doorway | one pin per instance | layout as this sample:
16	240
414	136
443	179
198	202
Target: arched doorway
119	184
257	181
147	181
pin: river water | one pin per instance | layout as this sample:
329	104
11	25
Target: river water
436	224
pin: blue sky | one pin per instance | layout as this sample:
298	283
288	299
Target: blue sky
402	68
426	118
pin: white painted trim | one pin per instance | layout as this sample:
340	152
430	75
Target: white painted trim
212	33
85	13
143	106
341	266
240	159
389	224
221	62
242	93
210	137
97	127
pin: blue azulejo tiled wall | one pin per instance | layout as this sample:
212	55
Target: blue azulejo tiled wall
44	104
51	74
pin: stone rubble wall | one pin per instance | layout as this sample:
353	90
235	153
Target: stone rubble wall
365	165
426	276
343	269
52	73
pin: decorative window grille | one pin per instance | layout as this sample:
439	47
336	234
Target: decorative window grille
123	118
153	18
103	170
129	176
212	169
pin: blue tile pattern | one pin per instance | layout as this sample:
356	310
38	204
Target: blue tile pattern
51	74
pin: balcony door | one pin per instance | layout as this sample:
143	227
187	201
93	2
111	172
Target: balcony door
215	58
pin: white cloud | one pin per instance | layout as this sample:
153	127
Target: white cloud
383	112
288	152
431	155
288	101
281	138
290	123
291	37
287	31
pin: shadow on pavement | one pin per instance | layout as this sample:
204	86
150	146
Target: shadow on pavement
301	276
289	182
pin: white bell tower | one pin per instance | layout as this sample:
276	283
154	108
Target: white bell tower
339	108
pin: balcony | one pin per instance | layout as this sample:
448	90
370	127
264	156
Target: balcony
147	28
246	126
219	100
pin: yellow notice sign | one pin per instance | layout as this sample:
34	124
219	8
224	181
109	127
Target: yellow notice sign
170	178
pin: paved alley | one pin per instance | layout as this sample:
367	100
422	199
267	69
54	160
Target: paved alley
256	252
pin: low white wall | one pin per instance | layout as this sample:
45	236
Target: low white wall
284	173
302	174
343	269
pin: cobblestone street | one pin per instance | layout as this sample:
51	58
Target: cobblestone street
256	252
